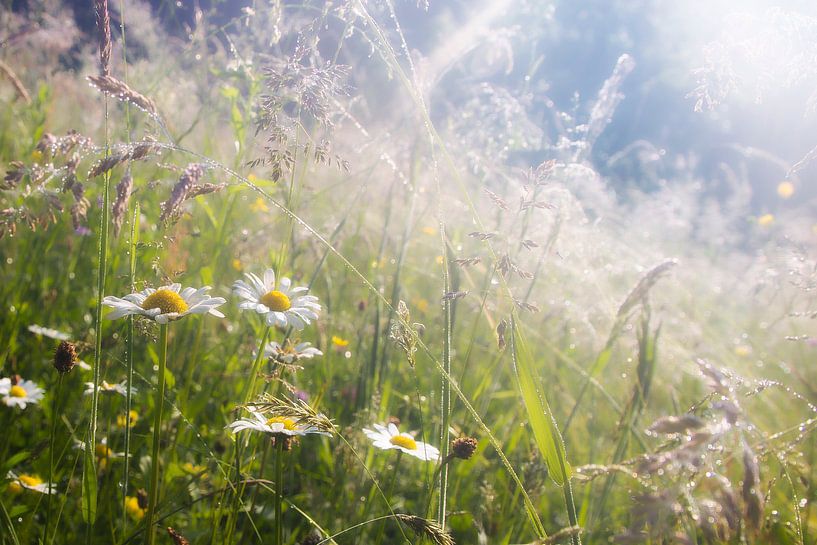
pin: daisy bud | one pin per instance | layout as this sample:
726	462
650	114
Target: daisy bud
463	447
394	420
65	357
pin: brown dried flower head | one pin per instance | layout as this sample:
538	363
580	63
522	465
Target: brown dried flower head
65	357
463	447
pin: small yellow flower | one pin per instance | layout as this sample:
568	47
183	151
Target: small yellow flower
430	231
785	189
259	205
743	351
36	156
339	342
133	509
238	265
439	260
421	304
252	177
122	419
195	470
765	220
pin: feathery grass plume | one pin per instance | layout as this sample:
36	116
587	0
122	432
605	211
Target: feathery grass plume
120	204
103	25
65	357
404	335
501	327
120	90
670	425
177	538
79	210
645	284
428	528
122	153
297	410
187	180
204	189
15	82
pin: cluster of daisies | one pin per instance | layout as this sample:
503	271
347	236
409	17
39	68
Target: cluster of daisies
281	305
278	303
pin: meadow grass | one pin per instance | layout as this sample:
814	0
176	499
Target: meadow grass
505	355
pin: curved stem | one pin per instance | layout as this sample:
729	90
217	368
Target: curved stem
153	497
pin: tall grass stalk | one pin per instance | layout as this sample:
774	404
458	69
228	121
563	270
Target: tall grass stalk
153	493
279	490
132	243
51	445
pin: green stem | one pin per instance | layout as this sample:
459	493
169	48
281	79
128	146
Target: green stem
256	366
134	238
153	497
279	492
51	454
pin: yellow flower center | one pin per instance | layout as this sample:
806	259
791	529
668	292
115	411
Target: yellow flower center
30	480
18	391
404	441
288	423
275	300
166	300
15	488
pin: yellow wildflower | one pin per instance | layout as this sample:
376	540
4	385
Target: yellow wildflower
133	509
259	205
785	189
122	419
765	220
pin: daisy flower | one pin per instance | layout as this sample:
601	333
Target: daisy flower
165	304
389	437
107	388
20	393
277	425
290	352
29	482
122	419
281	305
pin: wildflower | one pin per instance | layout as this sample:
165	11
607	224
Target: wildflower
237	264
195	470
122	419
20	392
389	437
48	332
785	189
134	509
339	342
107	388
282	305
430	231
259	205
65	357
463	447
29	482
290	352
765	220
165	304
277	425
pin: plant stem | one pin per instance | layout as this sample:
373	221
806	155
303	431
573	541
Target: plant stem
279	492
153	497
256	366
51	454
134	238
